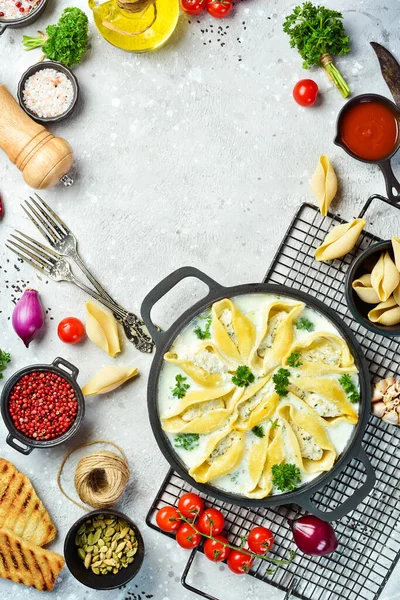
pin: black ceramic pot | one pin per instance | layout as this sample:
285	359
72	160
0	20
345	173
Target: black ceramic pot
23	21
18	440
164	341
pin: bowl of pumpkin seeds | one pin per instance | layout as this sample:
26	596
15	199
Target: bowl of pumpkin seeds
104	549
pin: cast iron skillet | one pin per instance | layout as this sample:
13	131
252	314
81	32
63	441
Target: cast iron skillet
164	340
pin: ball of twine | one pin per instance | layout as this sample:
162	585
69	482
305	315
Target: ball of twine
100	478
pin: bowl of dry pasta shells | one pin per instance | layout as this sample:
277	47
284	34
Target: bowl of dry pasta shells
373	288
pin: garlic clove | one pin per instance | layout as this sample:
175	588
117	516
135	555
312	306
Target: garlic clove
391	417
379	409
376	395
390	380
382	386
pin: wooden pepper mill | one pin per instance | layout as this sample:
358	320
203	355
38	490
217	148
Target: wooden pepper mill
42	158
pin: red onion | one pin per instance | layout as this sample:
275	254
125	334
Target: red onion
314	536
28	316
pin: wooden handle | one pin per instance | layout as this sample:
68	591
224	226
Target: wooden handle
42	158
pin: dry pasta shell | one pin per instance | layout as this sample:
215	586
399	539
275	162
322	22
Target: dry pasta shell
396	251
108	379
385	277
340	240
101	329
324	184
386	313
364	290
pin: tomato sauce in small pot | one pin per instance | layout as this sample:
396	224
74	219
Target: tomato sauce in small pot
370	130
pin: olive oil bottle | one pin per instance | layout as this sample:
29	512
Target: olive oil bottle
136	25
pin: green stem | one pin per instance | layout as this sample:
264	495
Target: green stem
274	561
338	79
32	42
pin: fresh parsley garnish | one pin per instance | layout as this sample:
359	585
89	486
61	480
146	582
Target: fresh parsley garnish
286	477
4	360
258	430
243	376
294	360
317	31
204	334
305	323
187	441
274	424
180	389
281	381
347	384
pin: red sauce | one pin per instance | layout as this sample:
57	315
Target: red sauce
369	130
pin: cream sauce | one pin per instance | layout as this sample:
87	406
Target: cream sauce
186	343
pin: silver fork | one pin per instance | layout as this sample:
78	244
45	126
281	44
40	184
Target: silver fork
51	264
61	238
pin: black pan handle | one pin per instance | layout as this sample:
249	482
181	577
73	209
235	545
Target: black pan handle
164	287
350	503
392	184
64	365
23	449
2	28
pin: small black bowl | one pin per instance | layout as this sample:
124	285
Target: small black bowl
23	21
86	576
48	64
18	440
359	309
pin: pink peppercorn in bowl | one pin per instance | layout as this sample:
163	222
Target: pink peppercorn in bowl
42	406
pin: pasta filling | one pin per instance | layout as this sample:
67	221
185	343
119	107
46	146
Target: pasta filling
308	447
269	338
322	406
324	352
194	412
221	448
209	361
226	320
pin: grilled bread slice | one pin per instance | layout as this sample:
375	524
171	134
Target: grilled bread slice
24	562
21	510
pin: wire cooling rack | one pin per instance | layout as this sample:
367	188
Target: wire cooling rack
370	535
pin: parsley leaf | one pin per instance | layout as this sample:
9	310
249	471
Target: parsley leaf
347	384
258	430
286	477
206	333
243	376
305	323
187	441
316	31
180	389
4	360
281	381
294	360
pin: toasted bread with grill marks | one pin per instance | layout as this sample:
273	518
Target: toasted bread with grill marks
24	562
21	510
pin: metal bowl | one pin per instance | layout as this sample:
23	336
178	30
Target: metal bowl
48	64
359	309
86	576
23	21
18	440
164	340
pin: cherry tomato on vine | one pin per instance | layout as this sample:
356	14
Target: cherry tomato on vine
168	519
260	540
216	551
71	330
305	92
219	8
190	505
239	563
211	522
187	537
193	7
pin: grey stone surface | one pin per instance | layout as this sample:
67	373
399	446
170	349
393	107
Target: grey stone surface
198	155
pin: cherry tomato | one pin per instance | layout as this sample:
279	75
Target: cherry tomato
239	563
260	540
219	8
216	551
71	330
211	522
187	537
305	92
190	505
193	7
168	519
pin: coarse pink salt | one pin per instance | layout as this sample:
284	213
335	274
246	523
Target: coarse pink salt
48	93
16	9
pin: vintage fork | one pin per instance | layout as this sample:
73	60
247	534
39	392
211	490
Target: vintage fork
64	242
51	264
